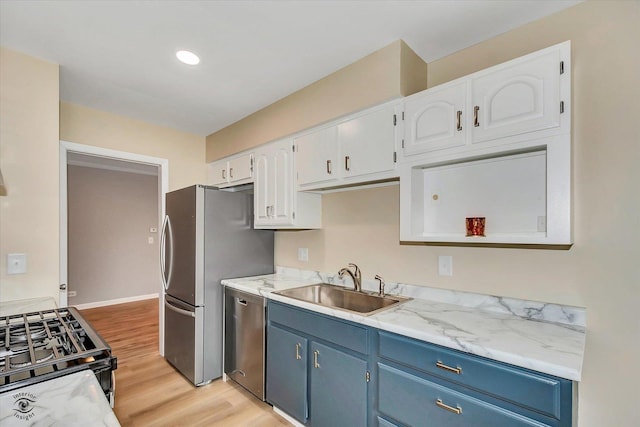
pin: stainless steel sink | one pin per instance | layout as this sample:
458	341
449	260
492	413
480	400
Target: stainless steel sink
343	299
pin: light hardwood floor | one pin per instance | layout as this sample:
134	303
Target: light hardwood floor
150	392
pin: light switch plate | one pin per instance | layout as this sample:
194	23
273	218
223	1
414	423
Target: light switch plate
16	263
303	254
445	265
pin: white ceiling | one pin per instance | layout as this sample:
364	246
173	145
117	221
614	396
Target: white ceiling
119	56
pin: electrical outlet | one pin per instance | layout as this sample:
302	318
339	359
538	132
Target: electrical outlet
150	240
445	265
303	254
72	294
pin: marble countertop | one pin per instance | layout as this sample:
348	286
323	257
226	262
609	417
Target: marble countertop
542	337
71	400
9	308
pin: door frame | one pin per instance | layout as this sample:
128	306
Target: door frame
163	188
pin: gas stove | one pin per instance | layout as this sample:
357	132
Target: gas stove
42	345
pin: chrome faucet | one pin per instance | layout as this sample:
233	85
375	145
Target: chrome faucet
380	285
356	276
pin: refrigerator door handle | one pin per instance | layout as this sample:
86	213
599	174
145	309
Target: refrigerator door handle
166	232
179	310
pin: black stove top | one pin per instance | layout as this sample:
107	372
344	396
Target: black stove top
45	344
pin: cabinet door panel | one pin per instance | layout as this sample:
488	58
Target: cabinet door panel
218	173
317	156
287	372
338	389
261	189
240	168
436	119
367	143
282	185
522	97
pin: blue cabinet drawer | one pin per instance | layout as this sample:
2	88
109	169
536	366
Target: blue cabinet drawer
415	401
336	331
536	391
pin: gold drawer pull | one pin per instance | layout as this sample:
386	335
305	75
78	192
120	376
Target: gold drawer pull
457	410
441	365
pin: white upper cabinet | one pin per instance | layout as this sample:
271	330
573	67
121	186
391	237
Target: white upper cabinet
234	170
241	168
276	204
435	119
317	157
507	159
521	96
523	99
356	149
262	187
367	143
218	173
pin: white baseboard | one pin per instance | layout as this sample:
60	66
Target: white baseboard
287	417
113	301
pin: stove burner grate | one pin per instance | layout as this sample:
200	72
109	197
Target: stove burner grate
43	344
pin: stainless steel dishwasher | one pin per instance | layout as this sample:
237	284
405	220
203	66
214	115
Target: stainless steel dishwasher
244	340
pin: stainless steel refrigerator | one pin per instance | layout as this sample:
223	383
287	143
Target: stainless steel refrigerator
207	235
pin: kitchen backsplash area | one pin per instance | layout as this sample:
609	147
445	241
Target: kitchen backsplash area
531	310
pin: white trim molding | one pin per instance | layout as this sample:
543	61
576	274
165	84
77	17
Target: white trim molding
115	301
163	185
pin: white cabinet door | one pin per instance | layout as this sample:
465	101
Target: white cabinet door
274	198
218	173
317	157
367	143
240	168
232	171
520	96
282	178
435	119
261	188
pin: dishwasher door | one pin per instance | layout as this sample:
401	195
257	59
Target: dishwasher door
244	340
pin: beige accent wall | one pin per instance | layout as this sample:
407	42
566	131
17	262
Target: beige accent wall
110	214
32	122
29	214
600	272
184	151
388	73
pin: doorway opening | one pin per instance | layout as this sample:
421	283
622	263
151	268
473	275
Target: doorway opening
111	207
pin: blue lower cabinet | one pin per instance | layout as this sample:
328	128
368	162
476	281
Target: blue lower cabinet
537	392
317	367
287	372
416	401
338	388
329	372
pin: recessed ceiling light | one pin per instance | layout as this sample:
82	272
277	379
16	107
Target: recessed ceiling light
187	57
